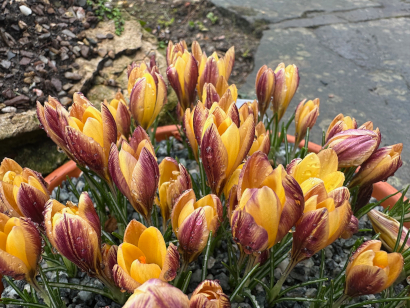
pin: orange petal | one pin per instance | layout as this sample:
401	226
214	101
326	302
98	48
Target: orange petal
152	244
142	272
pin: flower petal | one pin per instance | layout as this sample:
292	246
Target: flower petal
123	280
171	264
31	202
153	246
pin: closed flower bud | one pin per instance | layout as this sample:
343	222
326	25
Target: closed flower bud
354	146
249	109
23	192
142	256
224	143
215	70
20	248
305	117
209	294
174	179
388	227
265	88
135	172
136	71
261	141
193	220
382	164
265	194
371	270
182	75
148	96
119	110
159	294
340	123
286	84
75	231
109	259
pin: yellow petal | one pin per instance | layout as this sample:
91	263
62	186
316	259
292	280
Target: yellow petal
185	212
127	254
142	272
93	129
180	67
33	182
327	203
365	258
3	241
76	123
395	261
328	162
150	99
310	204
333	180
92	112
16	244
231	141
153	245
380	259
309	167
127	165
9	177
209	215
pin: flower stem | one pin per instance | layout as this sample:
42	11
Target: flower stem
274	292
340	300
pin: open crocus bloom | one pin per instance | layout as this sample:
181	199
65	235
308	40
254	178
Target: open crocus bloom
371	270
135	172
265	195
143	255
193	220
159	294
321	167
20	248
24	191
209	294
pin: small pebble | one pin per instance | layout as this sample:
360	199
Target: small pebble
25	10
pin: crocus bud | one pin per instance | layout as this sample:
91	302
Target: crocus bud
174	179
286	84
322	166
224	144
285	203
340	123
137	70
249	109
135	172
23	192
20	248
75	231
209	294
265	87
261	141
388	227
351	228
182	75
354	146
175	51
109	259
305	117
89	135
215	70
193	220
157	293
209	95
382	164
119	110
371	270
148	96
142	256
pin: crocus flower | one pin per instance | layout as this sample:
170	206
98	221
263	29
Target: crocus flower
148	96
75	231
224	144
286	84
247	109
388	227
192	221
354	146
20	248
261	141
382	164
142	256
119	110
371	270
265	88
322	166
174	179
137	70
109	259
135	172
175	51
182	75
23	192
270	203
157	293
209	294
340	123
305	117
229	96
215	70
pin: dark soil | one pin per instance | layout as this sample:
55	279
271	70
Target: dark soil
36	50
205	23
